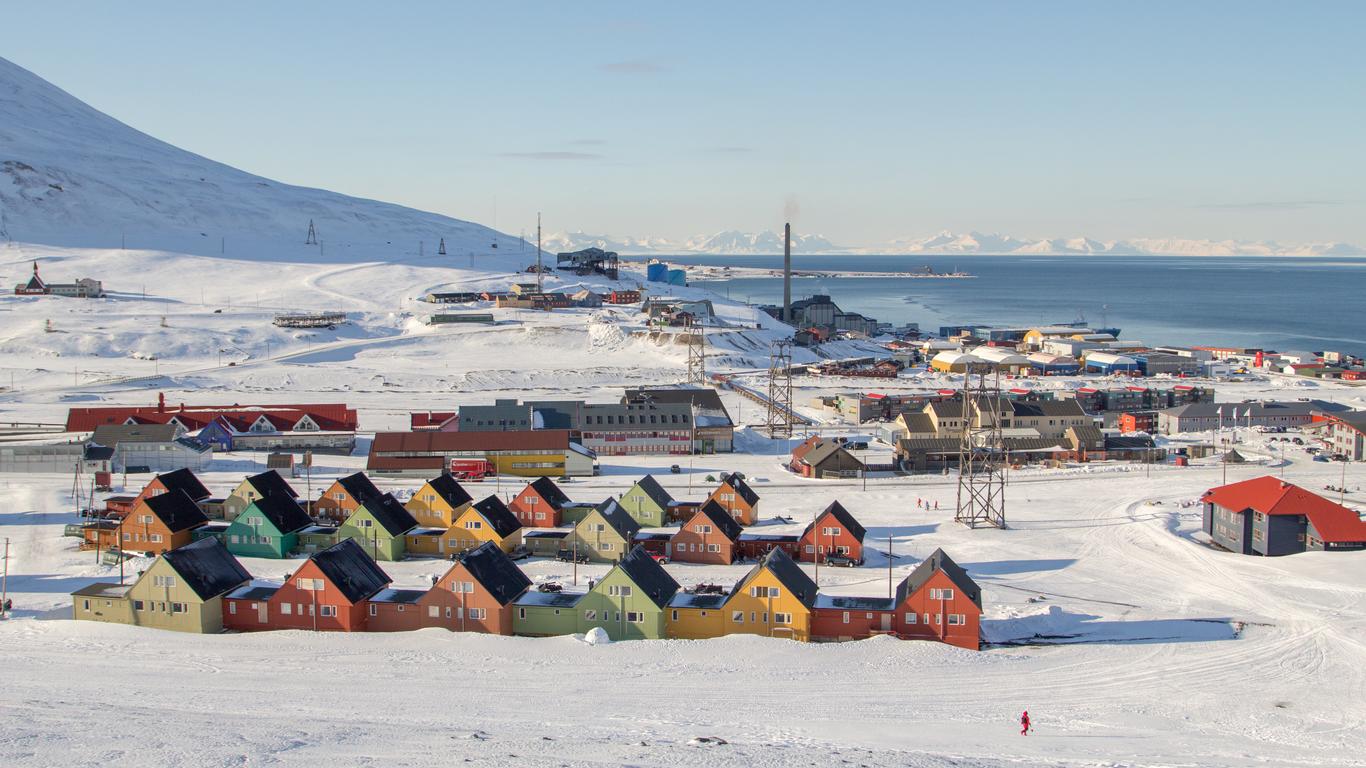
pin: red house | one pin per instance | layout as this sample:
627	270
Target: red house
937	601
709	536
833	532
539	504
623	297
330	592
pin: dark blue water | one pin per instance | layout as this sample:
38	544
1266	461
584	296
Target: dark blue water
1274	303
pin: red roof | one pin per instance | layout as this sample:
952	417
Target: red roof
1087	390
1273	496
330	417
429	419
948	392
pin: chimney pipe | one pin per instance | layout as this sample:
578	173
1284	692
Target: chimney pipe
787	273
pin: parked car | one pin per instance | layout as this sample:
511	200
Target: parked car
842	560
659	557
568	556
674	468
1321	458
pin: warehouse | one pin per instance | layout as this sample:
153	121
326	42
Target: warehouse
955	362
1108	363
1045	364
537	453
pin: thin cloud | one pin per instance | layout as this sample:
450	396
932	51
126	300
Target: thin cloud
633	67
552	155
1271	205
732	150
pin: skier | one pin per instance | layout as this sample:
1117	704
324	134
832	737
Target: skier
936	505
1024	723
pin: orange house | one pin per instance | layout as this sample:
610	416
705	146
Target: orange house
709	536
344	496
475	595
161	523
331	592
736	497
833	532
539	504
170	482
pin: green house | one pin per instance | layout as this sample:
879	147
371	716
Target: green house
604	535
648	503
546	614
267	527
378	524
629	601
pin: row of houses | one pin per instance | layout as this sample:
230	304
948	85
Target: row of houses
202	588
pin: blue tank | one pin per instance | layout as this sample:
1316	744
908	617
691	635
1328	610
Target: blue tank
657	272
678	277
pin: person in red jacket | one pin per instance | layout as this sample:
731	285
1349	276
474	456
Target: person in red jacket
1024	723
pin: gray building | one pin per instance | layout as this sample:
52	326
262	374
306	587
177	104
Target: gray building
58	457
158	447
1347	435
1202	417
714	431
658	423
1268	516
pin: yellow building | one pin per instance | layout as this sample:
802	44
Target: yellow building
774	600
692	616
439	502
181	591
489	520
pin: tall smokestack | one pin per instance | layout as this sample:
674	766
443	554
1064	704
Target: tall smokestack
787	273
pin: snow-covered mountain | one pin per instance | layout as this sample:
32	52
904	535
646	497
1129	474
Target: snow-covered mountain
948	243
73	176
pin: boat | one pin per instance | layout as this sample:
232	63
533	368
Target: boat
927	272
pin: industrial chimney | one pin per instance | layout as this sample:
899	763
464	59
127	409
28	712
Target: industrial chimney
787	273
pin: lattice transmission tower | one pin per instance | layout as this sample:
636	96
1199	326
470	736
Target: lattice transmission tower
696	336
981	451
780	413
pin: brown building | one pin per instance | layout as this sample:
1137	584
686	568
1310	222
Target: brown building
709	536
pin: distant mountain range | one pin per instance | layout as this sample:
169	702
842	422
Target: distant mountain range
949	243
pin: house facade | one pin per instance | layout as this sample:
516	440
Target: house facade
647	502
269	527
539	504
605	534
1268	516
439	502
328	593
161	523
379	526
708	537
343	496
737	498
774	599
629	602
268	483
833	532
182	591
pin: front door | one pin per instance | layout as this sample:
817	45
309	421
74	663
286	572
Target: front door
261	609
886	622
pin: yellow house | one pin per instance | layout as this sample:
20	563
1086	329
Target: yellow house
691	616
181	591
439	502
489	520
774	600
268	483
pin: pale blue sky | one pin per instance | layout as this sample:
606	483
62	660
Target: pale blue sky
1188	119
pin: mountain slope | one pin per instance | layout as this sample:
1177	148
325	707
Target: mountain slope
71	175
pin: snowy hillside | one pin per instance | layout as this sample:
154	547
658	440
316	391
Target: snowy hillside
71	175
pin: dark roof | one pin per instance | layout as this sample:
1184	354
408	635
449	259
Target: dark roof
112	434
545	533
788	573
841	514
733	480
495	572
928	444
285	514
270	483
207	567
546	489
499	517
649	576
856	603
655	491
184	480
450	490
939	561
351	570
358	486
176	510
823	450
255	592
1128	442
618	518
694	600
1045	408
770	537
408	596
720	518
390	514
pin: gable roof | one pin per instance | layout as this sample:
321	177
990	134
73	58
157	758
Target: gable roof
499	517
788	573
733	480
285	514
207	567
450	490
936	562
495	572
389	513
351	569
1273	496
184	480
823	449
270	483
805	447
625	525
546	489
176	510
654	490
917	422
720	518
358	486
330	417
649	576
112	434
841	514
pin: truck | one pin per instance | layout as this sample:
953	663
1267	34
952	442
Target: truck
472	470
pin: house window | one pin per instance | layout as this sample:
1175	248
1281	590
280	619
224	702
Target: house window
738	617
605	546
137	605
155	538
635	617
86	604
941	594
330	611
400	608
590	615
433	612
232	608
782	618
288	609
713	547
163	581
703	529
957	619
473	525
674	615
621	591
810	549
521	613
478	613
845	617
830	531
366	523
179	608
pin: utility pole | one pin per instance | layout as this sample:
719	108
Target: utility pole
540	284
889	566
4	583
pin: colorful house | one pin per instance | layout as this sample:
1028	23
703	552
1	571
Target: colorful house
379	525
439	502
539	504
546	614
169	482
604	535
267	483
937	601
774	599
181	591
268	527
161	523
329	592
488	521
647	502
1268	516
736	497
833	532
475	595
709	536
696	616
343	496
629	602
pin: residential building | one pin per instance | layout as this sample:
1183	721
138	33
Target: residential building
268	527
1206	416
775	599
343	496
160	523
439	502
379	526
824	457
1268	516
487	521
182	590
1347	435
604	535
833	532
539	504
647	502
258	486
629	602
475	595
330	592
709	536
736	497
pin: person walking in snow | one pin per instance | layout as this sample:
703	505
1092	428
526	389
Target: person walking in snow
936	505
1024	723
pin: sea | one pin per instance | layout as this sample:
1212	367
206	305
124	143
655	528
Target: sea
1274	303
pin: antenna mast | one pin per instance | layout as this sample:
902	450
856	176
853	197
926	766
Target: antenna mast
540	282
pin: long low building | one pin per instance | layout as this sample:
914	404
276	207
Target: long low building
530	453
30	458
1202	417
